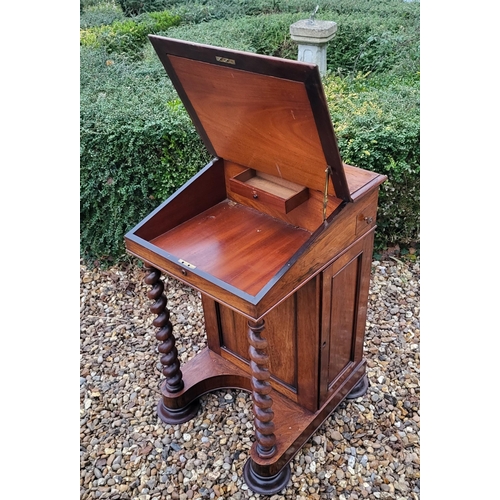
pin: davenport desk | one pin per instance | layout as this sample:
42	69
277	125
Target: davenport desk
277	235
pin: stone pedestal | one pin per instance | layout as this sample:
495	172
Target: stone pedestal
313	37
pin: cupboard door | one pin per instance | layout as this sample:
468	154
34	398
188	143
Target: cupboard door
292	331
345	285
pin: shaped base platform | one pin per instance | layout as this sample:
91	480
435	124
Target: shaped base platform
294	425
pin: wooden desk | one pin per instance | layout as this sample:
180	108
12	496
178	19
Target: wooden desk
277	235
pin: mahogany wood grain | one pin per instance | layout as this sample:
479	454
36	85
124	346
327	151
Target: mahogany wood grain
233	333
263	123
256	63
292	330
236	244
243	364
169	355
229	330
294	424
363	291
260	262
223	71
322	248
281	328
201	281
276	192
345	296
265	439
249	305
308	313
342	311
204	190
212	323
204	373
308	215
361	181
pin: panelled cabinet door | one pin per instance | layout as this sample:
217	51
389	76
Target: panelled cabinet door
345	285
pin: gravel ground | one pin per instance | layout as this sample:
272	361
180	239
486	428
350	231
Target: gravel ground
368	448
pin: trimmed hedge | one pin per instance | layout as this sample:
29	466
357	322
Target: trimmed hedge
127	36
138	144
101	14
370	41
377	128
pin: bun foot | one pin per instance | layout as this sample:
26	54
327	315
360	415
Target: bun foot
359	389
265	485
177	415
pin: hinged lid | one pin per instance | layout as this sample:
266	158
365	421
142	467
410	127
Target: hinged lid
267	113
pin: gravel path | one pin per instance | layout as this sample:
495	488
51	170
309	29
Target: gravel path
368	448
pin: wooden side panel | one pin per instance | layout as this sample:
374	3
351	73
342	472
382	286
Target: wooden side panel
280	332
234	332
308	339
292	330
337	236
342	317
345	295
212	323
201	192
364	286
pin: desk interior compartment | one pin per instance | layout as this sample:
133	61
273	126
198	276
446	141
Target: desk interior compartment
274	191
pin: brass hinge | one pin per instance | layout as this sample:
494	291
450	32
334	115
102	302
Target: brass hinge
328	172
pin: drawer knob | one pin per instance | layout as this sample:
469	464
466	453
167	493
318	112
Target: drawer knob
368	220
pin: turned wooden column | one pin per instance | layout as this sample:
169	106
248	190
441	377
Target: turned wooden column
261	388
169	355
259	478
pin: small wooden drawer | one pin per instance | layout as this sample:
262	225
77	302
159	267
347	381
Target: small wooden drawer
274	191
366	219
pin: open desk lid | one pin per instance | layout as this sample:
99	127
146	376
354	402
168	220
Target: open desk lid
266	113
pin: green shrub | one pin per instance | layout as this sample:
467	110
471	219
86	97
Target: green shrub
373	45
267	35
197	11
86	4
99	15
363	42
128	36
378	129
136	7
136	149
